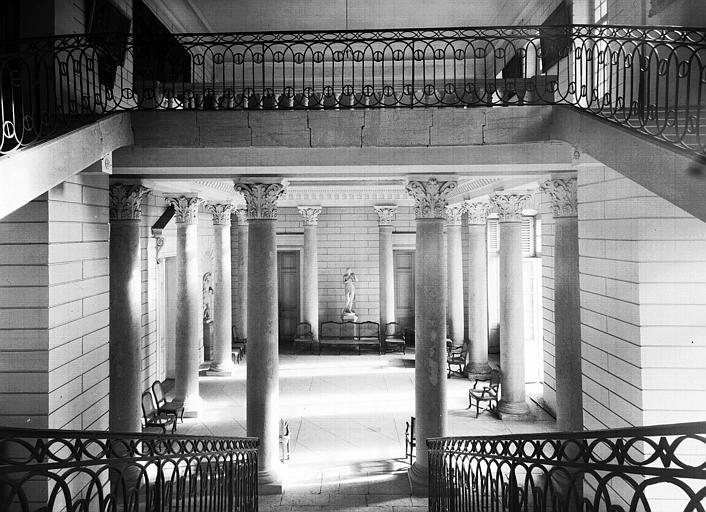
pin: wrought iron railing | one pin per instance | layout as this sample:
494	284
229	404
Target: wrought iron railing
58	470
651	79
632	469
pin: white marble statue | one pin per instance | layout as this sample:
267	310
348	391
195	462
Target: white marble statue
348	281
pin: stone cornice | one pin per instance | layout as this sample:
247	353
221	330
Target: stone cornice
221	213
562	192
477	212
126	201
310	214
430	197
242	216
509	206
186	208
261	199
386	214
454	214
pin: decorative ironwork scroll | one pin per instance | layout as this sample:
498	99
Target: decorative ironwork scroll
90	470
649	79
642	468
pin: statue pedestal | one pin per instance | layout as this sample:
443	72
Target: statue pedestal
349	317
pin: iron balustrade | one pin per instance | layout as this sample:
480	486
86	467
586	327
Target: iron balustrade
99	471
650	79
632	469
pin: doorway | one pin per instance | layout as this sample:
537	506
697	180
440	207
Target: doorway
403	268
167	318
288	293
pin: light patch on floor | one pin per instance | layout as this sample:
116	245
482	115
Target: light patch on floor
346	414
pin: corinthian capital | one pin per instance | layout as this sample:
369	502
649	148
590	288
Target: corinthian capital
477	212
430	197
221	213
242	215
454	214
126	201
310	214
562	192
386	214
261	199
509	206
186	208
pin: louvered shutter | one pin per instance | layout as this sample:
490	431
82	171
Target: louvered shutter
527	236
493	227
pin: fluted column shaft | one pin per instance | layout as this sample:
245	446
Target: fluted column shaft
262	393
189	305
567	309
454	249
477	366
125	308
512	332
241	306
386	214
310	274
430	322
221	361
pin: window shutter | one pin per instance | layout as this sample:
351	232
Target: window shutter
527	236
493	227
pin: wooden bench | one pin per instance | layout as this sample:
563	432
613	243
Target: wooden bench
352	334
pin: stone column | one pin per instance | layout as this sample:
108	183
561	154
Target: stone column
386	214
567	312
125	308
221	361
263	358
189	304
310	274
454	277
241	308
430	322
509	207
478	367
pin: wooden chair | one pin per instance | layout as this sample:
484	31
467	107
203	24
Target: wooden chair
284	439
238	346
393	338
151	415
488	394
303	334
410	440
171	408
455	358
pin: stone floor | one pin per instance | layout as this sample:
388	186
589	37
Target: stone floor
347	416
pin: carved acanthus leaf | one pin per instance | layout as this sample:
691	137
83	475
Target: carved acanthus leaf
454	214
261	199
221	213
126	201
477	212
310	214
242	215
186	208
386	214
562	192
430	197
509	206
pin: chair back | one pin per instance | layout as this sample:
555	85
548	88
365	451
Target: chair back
148	407
158	392
303	329
393	330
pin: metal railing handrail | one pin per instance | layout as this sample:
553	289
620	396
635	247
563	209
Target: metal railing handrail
614	469
649	79
75	469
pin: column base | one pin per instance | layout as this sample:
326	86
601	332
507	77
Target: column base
193	406
418	480
269	481
478	371
513	411
220	370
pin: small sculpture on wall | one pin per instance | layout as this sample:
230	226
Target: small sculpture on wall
349	280
207	297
